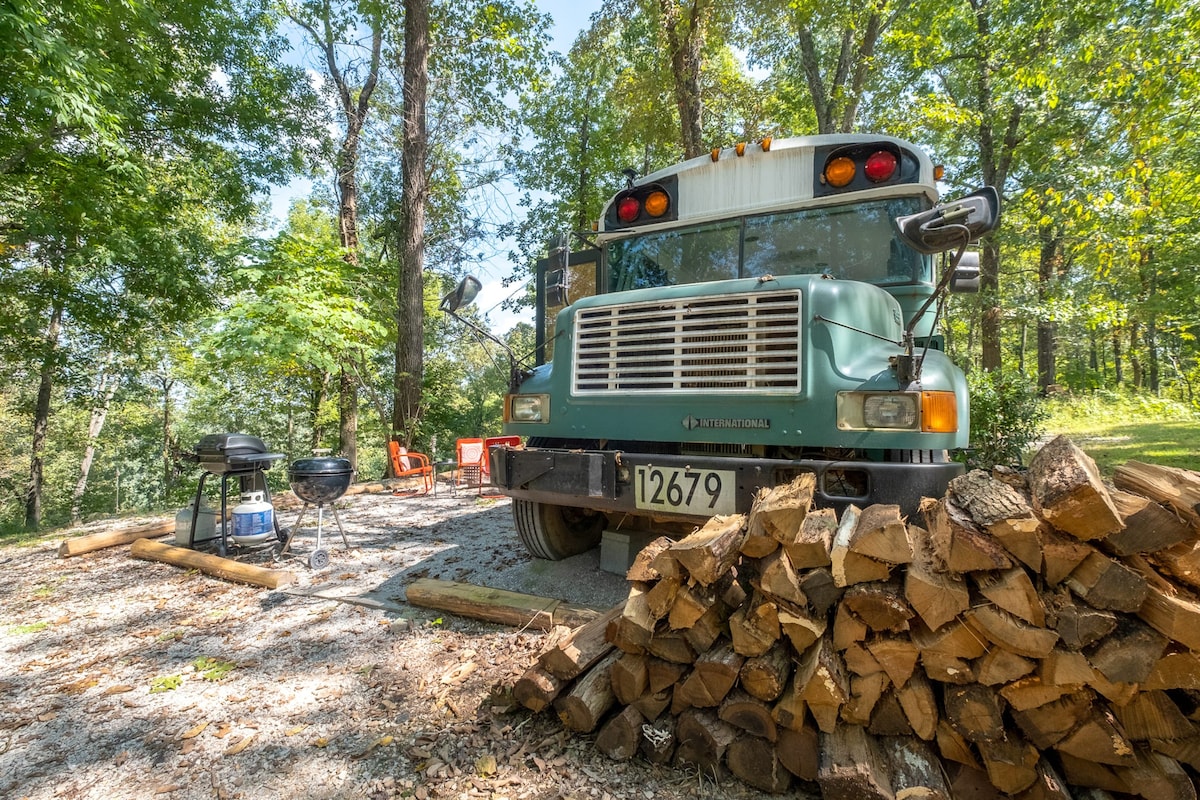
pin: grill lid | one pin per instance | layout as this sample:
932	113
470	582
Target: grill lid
326	465
219	446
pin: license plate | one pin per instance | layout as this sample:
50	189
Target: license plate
704	492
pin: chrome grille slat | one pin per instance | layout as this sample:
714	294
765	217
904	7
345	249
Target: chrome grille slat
735	344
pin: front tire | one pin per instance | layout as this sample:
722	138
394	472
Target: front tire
556	532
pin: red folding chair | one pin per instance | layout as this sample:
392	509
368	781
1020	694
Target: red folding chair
486	465
410	465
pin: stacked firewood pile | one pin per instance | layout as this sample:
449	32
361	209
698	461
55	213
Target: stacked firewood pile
1036	636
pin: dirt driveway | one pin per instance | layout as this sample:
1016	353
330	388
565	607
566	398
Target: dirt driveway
123	678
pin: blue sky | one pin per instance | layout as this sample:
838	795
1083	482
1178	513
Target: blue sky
569	18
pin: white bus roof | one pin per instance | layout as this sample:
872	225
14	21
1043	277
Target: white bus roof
759	181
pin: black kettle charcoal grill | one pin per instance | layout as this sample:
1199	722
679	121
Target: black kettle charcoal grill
231	455
319	481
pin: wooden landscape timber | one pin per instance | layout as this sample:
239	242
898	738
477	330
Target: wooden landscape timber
1037	637
498	605
225	568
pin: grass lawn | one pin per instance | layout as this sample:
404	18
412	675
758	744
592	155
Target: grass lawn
1114	428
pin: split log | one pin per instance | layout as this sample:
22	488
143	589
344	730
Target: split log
709	552
1177	669
852	767
896	655
865	693
537	688
916	772
664	674
777	579
953	746
1185	750
642	569
713	675
702	739
1061	554
847	566
859	661
881	606
1158	777
827	688
1068	493
1099	739
1181	562
754	627
881	535
1001	666
1148	526
671	646
791	710
660	598
658	740
651	705
1104	583
975	711
888	718
848	629
1092	774
937	597
704	632
1002	511
777	515
582	708
1065	668
116	536
581	649
1032	692
1048	786
1173	616
225	568
1046	725
920	706
690	604
1011	763
1177	488
1005	630
1013	591
621	736
958	544
630	677
1153	715
1078	625
947	669
799	751
748	713
955	639
1129	653
766	676
800	627
633	630
814	541
756	761
820	589
971	783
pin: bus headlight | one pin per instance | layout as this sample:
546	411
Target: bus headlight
931	412
528	408
867	410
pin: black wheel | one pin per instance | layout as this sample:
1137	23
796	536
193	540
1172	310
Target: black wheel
556	532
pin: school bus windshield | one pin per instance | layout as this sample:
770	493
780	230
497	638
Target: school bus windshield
852	242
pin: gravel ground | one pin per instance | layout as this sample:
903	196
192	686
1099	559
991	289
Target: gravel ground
124	678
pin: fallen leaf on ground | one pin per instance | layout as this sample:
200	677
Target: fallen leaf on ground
239	746
192	733
120	688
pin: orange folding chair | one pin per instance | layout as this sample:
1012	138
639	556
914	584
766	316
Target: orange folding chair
468	470
410	465
486	465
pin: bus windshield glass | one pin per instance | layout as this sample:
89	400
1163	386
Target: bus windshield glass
853	242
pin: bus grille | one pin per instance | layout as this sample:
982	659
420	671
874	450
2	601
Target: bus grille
726	345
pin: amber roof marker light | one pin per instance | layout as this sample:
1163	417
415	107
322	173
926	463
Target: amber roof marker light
839	171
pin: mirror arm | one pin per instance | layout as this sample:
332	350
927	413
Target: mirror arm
908	366
516	375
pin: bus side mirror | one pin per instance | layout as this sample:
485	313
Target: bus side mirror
965	278
953	224
556	272
463	295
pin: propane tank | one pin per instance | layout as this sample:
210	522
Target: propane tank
253	519
206	525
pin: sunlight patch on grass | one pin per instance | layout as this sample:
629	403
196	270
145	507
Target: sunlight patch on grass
1114	428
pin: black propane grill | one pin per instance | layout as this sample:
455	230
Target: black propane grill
231	455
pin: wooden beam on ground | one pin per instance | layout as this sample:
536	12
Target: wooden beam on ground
498	605
116	536
225	568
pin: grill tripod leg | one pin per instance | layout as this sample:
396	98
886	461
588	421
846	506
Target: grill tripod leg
341	530
295	529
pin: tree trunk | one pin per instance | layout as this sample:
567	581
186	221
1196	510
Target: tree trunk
168	462
41	419
348	417
1049	269
410	308
104	396
1118	367
685	45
